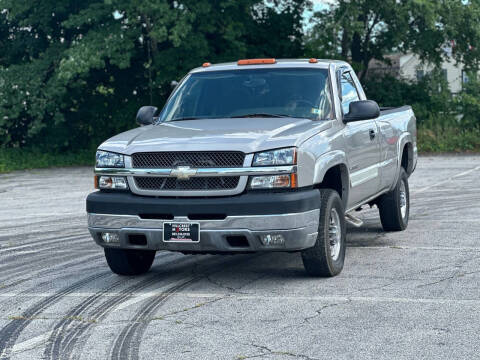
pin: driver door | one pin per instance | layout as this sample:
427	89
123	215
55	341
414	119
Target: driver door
362	147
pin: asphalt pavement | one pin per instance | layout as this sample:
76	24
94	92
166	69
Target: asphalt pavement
403	295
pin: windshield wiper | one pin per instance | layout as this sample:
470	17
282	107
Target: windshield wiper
259	115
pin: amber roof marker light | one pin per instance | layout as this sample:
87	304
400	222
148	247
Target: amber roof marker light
206	64
256	61
313	61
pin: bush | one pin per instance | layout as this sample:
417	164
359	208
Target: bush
448	139
430	98
446	122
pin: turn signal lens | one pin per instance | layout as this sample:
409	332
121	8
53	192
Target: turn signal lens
274	181
293	181
256	61
113	182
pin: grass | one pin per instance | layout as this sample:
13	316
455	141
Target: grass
430	140
21	159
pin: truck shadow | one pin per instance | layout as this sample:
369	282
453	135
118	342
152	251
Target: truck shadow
369	234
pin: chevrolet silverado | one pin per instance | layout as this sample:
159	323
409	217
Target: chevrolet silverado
256	155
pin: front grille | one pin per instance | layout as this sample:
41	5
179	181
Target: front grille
195	183
206	159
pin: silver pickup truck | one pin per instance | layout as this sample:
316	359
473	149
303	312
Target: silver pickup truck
257	155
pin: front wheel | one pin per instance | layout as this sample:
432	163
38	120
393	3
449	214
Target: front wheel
394	207
129	261
327	256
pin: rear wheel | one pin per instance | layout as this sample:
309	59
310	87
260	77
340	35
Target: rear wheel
129	261
327	256
394	207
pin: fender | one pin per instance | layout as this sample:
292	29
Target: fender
405	138
328	160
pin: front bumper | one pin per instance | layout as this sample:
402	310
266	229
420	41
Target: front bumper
294	215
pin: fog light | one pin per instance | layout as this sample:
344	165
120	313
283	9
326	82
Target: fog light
272	239
110	238
112	182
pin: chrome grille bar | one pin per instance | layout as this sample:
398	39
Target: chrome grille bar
202	172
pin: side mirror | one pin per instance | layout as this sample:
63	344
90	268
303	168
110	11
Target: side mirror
362	110
146	114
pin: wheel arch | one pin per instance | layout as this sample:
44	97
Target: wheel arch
405	156
331	171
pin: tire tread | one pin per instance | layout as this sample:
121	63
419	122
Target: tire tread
316	259
389	207
128	261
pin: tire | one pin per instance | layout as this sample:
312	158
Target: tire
326	257
394	207
128	261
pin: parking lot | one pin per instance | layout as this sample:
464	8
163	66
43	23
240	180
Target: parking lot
405	295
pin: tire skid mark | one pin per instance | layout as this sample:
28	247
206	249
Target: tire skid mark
32	235
26	243
29	267
47	222
65	336
39	243
11	261
18	282
63	330
127	344
10	332
26	273
38	274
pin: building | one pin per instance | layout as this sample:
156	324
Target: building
410	67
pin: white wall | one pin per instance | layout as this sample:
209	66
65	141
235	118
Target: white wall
409	64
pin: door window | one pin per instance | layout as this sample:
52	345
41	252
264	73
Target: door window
349	92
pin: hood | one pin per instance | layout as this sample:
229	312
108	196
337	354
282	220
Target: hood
245	134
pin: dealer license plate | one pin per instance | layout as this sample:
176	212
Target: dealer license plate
181	232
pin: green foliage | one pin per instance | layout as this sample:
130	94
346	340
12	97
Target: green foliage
20	159
362	30
430	98
468	101
448	139
73	73
446	122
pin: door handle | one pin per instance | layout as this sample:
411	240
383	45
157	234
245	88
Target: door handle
372	134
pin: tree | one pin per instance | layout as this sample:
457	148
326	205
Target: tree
75	72
362	30
282	20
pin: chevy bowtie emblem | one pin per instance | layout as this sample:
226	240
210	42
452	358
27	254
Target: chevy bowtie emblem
183	172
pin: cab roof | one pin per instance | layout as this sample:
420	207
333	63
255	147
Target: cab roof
270	63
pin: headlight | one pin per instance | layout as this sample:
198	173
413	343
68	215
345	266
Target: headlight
107	159
275	157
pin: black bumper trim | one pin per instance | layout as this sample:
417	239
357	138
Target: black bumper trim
246	204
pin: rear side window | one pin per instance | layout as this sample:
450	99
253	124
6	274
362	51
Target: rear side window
349	92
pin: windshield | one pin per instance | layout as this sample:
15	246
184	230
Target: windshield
292	92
